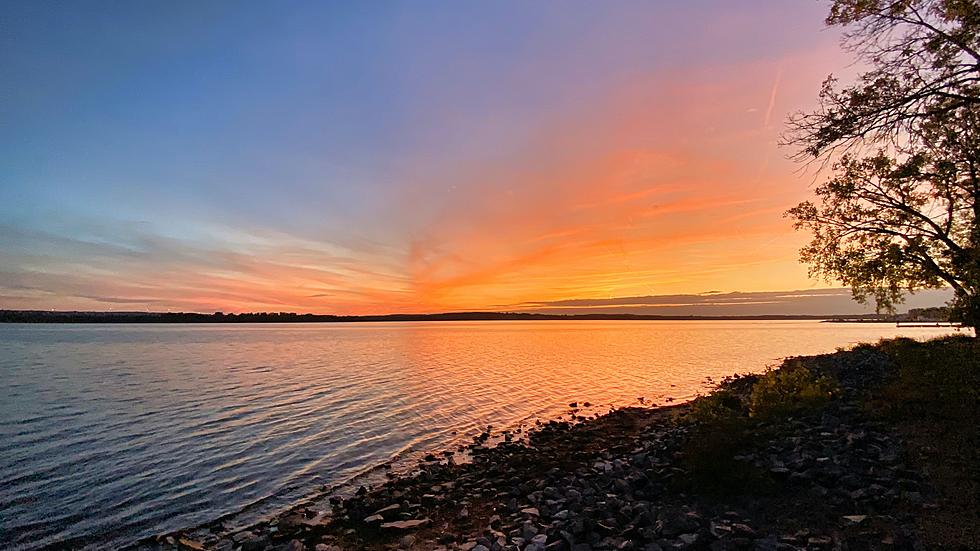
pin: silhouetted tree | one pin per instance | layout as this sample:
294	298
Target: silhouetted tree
901	209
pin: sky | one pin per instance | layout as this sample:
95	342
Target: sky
374	157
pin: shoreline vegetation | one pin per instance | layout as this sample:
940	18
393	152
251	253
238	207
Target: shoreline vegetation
870	448
928	315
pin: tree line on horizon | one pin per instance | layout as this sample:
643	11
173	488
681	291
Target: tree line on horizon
46	316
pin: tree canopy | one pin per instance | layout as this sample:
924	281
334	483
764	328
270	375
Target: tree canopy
900	210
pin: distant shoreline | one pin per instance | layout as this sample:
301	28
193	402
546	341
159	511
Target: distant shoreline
41	316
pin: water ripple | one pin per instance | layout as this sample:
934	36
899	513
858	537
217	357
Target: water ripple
110	434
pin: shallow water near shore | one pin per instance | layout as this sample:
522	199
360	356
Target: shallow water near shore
113	433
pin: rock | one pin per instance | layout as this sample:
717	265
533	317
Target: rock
320	520
193	545
743	530
820	541
239	537
389	510
528	531
406	541
719	530
688	539
768	543
406	524
531	511
295	545
854	520
291	521
255	543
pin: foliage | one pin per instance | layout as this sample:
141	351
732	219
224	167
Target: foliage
938	378
721	408
722	431
885	226
791	389
924	59
901	211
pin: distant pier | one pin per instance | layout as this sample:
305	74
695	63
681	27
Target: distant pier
927	324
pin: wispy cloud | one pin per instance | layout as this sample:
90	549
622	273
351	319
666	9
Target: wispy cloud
255	271
805	302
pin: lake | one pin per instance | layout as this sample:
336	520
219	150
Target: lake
113	433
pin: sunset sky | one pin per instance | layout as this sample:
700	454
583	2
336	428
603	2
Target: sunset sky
370	157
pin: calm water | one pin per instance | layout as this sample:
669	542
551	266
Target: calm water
111	433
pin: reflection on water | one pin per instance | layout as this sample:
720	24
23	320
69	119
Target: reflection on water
113	433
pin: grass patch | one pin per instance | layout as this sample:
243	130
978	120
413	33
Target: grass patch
934	400
939	379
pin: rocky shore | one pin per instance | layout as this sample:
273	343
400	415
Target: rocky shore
817	470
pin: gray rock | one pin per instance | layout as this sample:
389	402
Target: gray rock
768	543
854	520
255	543
406	524
239	537
389	510
688	539
820	541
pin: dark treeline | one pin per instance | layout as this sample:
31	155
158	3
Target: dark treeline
43	316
